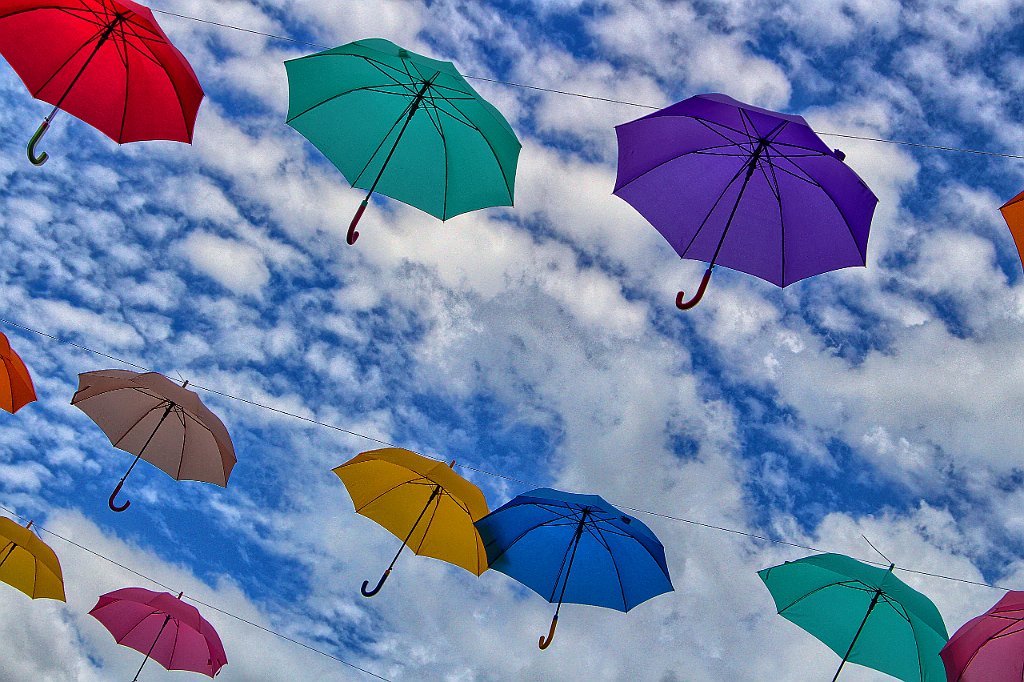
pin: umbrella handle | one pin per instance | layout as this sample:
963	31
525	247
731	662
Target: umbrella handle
352	235
31	150
544	644
110	502
376	589
686	305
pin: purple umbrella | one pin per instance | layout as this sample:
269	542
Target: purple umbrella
990	647
751	189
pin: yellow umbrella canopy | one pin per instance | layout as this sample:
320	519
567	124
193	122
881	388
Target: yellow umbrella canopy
28	564
422	501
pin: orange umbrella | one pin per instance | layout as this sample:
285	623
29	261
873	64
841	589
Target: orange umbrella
1013	214
16	388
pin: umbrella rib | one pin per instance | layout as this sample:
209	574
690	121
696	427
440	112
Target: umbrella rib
732	143
138	421
68	61
391	489
523	534
444	145
776	190
842	583
558	576
127	77
714	206
154	612
184	439
369	160
177	632
598	535
426	529
348	92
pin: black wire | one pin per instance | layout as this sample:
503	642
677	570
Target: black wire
192	599
598	98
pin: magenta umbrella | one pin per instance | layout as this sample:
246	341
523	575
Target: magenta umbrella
990	647
163	627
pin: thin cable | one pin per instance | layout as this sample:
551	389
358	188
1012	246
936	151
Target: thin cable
598	98
190	598
638	510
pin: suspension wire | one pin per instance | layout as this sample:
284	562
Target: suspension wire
186	596
598	98
638	510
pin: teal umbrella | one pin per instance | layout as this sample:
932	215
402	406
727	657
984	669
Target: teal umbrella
863	613
403	125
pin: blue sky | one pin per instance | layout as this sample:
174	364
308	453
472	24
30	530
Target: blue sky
538	341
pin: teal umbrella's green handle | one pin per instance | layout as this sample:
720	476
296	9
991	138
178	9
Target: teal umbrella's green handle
352	234
545	642
41	159
686	305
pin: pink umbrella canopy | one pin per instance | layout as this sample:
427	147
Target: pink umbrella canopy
163	627
155	419
989	647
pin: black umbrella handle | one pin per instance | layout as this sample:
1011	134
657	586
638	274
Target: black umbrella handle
31	150
544	643
110	501
370	593
686	305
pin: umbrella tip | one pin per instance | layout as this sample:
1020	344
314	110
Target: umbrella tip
403	53
626	519
839	154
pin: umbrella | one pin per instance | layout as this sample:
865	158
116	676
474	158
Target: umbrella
539	537
740	186
16	389
163	627
153	418
989	647
28	564
397	488
105	61
1013	214
863	613
403	125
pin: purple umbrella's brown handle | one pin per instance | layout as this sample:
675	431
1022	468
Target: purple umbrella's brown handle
352	234
376	589
545	643
686	305
41	159
110	502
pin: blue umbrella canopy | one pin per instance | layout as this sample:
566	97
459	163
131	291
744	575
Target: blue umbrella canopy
575	548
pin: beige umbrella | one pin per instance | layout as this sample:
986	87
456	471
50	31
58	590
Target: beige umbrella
155	419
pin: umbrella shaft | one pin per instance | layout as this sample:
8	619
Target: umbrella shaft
751	167
151	647
103	38
874	600
575	546
408	119
437	489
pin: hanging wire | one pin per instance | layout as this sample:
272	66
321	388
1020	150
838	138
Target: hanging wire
139	574
599	98
485	472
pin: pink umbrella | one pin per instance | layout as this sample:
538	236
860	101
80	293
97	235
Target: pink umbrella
990	647
163	627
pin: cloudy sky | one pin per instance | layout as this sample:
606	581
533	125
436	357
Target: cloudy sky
540	343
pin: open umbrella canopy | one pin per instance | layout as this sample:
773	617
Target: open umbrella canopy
421	500
575	548
28	564
106	62
1013	214
863	613
751	189
163	627
989	647
404	125
153	418
16	389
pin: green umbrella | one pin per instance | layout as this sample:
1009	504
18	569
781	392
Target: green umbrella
403	125
863	613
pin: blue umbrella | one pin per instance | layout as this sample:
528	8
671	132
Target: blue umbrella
575	548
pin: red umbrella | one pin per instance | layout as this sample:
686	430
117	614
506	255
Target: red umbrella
16	388
163	627
989	647
105	61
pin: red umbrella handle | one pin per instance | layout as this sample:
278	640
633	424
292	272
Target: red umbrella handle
545	643
686	305
352	234
41	159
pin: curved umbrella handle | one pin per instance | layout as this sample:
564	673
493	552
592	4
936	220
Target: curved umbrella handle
544	644
31	150
352	235
686	305
110	502
376	589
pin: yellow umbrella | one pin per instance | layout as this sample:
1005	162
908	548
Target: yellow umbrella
28	563
420	500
